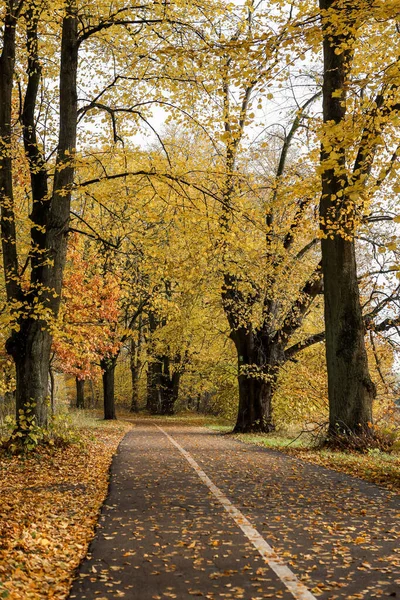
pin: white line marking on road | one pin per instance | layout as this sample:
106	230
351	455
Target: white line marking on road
295	587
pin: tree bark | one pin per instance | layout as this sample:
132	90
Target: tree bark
135	370
258	368
169	391
162	386
136	367
80	392
350	388
108	365
32	371
52	391
93	398
8	230
154	374
30	342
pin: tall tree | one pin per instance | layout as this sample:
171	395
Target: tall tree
35	300
135	364
262	322
345	175
34	305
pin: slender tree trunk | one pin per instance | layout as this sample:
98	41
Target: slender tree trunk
258	369
350	388
93	399
80	392
136	367
8	228
52	391
108	365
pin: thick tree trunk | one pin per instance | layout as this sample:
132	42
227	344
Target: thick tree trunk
30	342
80	392
169	392
255	405
30	349
167	403
108	366
350	388
258	368
162	386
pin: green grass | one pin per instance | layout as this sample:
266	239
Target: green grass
219	428
272	440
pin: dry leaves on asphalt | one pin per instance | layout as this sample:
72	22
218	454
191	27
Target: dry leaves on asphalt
380	468
49	508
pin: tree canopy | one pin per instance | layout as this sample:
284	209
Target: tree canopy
196	200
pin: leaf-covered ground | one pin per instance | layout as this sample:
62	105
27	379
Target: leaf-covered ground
376	467
50	502
165	534
380	468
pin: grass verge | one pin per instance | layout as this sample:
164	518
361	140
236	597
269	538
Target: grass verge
50	504
376	467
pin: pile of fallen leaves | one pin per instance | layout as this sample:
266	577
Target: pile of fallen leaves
50	501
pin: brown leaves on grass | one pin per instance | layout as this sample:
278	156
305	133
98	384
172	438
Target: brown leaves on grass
50	503
374	466
377	467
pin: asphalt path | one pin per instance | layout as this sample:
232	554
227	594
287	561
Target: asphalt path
191	513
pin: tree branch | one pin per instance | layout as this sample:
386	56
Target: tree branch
310	341
296	313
